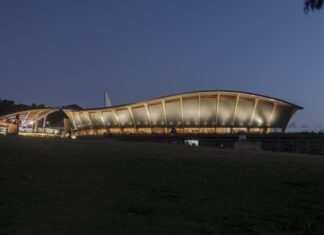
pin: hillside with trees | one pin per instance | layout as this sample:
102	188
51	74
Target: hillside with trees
9	106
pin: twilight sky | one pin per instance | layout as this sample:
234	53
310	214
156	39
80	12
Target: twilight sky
64	52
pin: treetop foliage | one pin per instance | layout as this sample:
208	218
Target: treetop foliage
312	5
9	106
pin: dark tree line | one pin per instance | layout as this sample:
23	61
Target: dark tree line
312	5
9	106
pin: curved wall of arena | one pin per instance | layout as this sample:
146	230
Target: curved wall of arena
189	113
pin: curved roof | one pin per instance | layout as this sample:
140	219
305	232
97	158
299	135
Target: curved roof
233	92
211	108
31	112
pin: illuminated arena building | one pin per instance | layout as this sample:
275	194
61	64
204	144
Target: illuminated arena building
202	112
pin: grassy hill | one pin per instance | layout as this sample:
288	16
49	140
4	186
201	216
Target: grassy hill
61	186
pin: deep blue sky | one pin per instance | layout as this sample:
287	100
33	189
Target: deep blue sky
63	52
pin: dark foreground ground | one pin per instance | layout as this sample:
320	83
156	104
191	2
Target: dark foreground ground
55	186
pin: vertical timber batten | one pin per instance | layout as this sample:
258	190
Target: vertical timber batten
81	123
181	105
271	115
102	119
36	121
236	103
91	123
44	123
256	101
114	112
70	114
165	115
148	116
217	108
131	113
26	119
199	111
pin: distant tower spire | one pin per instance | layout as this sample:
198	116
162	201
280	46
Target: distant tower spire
107	100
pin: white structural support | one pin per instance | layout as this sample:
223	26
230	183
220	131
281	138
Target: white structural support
131	113
26	119
256	101
44	123
76	114
89	119
199	109
148	114
235	109
102	119
165	115
272	113
75	123
116	117
217	108
36	121
81	123
70	116
181	105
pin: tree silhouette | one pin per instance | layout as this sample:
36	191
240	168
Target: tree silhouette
312	5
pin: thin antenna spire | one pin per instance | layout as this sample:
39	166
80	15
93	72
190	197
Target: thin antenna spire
107	101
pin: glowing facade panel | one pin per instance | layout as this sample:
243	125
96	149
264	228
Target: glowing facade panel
125	118
157	114
78	120
244	112
174	113
110	119
226	111
208	109
140	117
262	114
85	119
190	114
96	120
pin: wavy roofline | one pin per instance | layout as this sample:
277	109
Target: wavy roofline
193	92
29	110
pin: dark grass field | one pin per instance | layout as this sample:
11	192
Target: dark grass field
56	186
